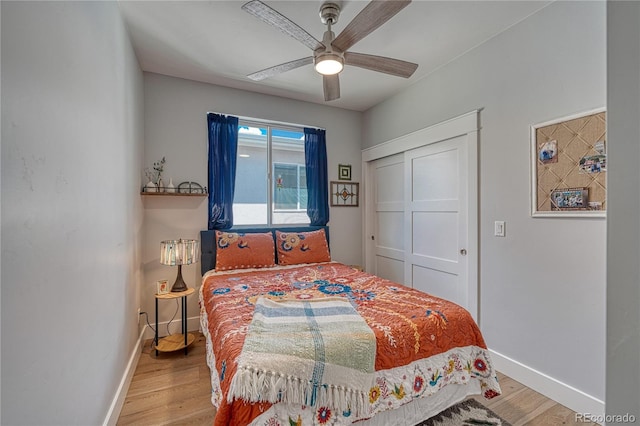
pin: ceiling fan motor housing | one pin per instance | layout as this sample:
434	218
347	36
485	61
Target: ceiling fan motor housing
332	59
329	13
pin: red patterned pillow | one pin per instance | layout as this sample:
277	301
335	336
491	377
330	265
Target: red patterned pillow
302	247
236	250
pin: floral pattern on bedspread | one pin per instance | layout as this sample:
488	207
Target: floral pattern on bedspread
423	342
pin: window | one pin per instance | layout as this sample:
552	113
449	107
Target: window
271	183
290	191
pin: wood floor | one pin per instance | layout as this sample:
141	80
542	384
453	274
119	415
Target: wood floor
171	389
175	390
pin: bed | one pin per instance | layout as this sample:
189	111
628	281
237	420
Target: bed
294	338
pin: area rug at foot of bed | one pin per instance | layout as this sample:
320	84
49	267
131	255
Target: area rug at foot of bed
466	413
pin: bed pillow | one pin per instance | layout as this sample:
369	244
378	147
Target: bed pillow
302	247
236	250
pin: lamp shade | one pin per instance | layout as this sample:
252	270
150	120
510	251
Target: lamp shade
179	252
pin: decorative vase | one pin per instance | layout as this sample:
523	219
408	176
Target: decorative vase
150	187
170	187
161	187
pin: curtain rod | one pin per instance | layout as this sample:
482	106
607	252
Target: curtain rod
263	121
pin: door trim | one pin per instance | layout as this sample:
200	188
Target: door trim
463	125
448	129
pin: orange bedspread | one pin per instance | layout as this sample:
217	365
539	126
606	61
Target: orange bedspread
427	341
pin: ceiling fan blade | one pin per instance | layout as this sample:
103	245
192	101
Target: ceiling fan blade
281	22
279	69
331	85
369	19
381	64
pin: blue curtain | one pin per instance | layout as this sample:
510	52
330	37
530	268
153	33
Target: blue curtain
315	152
223	147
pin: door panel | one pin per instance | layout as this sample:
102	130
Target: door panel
435	219
390	230
390	269
389	243
390	179
435	176
435	234
435	282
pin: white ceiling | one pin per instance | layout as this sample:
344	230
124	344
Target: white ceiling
217	42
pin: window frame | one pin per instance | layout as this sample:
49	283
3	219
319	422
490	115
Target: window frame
298	180
270	126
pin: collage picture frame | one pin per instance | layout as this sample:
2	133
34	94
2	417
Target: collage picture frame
569	165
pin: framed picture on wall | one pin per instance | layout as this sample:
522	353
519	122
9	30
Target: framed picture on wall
344	171
569	166
345	194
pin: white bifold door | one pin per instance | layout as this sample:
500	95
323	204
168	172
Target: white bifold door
421	217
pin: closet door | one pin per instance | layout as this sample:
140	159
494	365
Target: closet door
435	219
421	210
387	238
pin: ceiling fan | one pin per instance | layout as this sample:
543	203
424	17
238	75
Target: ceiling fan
330	55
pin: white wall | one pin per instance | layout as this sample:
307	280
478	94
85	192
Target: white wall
623	224
542	287
176	128
71	211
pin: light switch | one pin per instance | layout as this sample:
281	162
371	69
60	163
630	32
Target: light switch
499	228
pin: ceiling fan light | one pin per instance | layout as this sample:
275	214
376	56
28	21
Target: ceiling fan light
329	64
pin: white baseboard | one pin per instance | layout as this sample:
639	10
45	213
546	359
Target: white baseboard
562	393
193	324
121	393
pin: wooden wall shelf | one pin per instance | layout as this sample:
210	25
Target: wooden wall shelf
185	189
174	194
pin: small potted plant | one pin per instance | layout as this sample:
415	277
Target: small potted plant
158	166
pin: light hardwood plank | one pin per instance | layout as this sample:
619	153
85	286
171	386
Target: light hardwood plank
170	389
164	380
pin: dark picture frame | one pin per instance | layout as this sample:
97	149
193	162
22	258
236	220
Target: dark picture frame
344	171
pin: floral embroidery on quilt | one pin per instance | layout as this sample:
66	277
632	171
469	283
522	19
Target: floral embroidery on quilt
374	394
301	285
481	366
418	383
324	416
331	288
297	422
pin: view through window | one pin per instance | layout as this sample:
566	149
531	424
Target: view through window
271	182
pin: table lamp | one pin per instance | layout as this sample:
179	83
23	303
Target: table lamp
179	252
